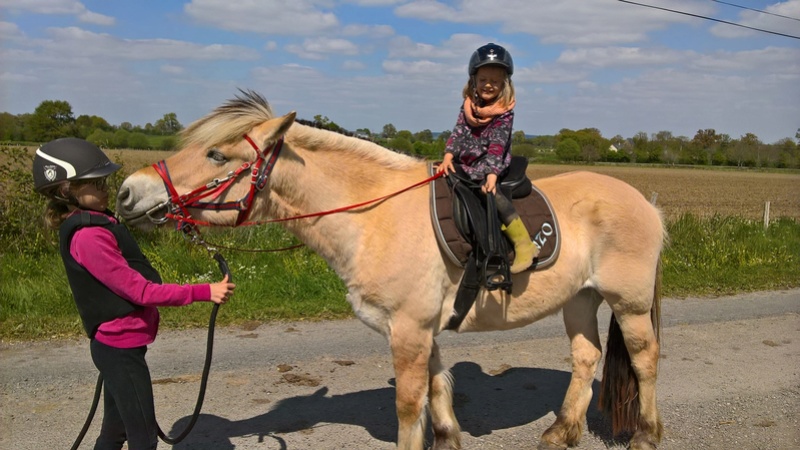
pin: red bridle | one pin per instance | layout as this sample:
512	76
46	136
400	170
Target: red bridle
260	169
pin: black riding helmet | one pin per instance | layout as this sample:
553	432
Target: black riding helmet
491	54
69	159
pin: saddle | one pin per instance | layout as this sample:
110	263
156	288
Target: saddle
468	230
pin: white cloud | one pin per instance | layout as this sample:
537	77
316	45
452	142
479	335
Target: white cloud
96	19
762	21
57	7
421	67
172	69
373	31
322	48
576	22
76	42
44	6
9	31
273	17
352	65
615	57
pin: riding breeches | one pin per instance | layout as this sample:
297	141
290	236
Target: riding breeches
128	407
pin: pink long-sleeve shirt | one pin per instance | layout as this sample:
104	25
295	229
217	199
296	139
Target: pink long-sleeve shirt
96	249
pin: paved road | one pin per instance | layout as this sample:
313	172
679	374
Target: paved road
729	378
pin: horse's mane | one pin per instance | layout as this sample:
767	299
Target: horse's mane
228	122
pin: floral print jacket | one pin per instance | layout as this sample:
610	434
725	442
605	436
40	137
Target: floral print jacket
482	150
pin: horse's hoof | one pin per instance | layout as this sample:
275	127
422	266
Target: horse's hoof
549	446
642	444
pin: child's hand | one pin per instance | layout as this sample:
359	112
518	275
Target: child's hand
447	165
221	292
490	185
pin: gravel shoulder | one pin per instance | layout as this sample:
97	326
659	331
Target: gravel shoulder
729	378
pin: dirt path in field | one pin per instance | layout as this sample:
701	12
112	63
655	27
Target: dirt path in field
729	379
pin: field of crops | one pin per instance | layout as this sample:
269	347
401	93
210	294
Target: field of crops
702	192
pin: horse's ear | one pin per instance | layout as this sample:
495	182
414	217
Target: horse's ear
273	129
286	122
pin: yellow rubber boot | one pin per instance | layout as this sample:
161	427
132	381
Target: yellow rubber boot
524	249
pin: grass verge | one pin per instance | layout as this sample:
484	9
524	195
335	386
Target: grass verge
706	257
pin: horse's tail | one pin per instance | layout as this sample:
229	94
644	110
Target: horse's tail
619	390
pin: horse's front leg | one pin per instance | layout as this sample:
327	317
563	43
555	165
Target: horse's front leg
411	344
446	431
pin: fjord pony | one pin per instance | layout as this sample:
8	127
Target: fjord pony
400	283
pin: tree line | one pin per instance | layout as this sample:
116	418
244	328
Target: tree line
54	118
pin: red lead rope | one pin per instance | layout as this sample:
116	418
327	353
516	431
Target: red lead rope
184	219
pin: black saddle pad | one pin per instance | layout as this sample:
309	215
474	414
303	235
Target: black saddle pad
534	210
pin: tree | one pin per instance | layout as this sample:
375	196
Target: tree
101	138
568	150
424	136
85	125
52	119
518	137
742	152
401	144
404	134
138	140
589	141
121	139
168	143
9	127
168	125
327	124
389	131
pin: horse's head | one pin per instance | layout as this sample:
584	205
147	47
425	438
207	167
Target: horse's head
213	177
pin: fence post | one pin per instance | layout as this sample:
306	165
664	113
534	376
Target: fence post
766	215
653	198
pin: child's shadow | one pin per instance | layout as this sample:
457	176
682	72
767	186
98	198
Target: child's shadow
483	403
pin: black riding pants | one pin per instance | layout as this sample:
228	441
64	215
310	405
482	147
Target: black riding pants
128	409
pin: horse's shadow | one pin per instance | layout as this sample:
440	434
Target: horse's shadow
483	403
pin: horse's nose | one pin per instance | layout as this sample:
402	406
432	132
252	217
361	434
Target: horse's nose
123	197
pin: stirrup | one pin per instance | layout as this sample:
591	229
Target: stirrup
500	278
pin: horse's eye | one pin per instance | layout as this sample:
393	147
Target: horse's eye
216	156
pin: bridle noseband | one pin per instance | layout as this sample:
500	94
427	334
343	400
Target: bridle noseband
178	205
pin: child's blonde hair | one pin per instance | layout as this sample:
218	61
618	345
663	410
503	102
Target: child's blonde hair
505	97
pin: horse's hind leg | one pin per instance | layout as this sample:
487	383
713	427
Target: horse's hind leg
580	320
411	346
643	348
446	431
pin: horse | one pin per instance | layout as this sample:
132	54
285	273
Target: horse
398	280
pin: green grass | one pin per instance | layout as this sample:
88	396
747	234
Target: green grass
295	284
725	255
712	256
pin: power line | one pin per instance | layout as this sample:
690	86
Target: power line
756	10
710	18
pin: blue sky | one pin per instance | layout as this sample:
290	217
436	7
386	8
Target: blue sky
606	64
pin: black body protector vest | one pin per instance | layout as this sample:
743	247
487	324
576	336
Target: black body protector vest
97	303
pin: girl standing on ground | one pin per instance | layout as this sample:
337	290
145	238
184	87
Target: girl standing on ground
113	284
480	144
